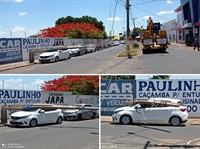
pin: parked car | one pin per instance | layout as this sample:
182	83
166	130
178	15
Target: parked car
79	114
79	50
54	56
116	43
36	117
123	41
156	112
91	48
97	112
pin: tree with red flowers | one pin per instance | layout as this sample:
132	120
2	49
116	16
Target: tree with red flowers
78	85
73	30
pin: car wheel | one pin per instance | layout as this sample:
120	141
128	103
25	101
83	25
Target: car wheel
93	115
79	53
56	59
69	56
175	121
79	117
125	119
59	120
33	123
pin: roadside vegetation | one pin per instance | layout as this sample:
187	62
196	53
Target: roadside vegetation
133	50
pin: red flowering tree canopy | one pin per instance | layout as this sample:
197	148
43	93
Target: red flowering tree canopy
78	85
73	30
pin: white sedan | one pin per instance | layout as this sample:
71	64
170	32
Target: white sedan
36	117
156	113
54	56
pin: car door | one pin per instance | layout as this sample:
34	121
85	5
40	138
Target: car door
61	55
145	113
87	113
42	117
162	113
52	115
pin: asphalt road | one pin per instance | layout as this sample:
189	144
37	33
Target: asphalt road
118	136
85	64
176	60
69	135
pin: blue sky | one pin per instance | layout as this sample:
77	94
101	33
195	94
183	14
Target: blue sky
26	82
20	18
33	82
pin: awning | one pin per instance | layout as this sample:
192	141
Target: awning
197	24
178	28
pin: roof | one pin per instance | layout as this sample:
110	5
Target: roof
178	9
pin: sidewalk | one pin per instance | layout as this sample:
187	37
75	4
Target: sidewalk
9	66
191	121
181	45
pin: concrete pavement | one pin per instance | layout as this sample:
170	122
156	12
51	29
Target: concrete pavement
9	66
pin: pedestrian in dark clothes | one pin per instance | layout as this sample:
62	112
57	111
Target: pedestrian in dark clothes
196	43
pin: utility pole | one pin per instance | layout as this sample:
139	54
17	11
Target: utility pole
128	28
134	22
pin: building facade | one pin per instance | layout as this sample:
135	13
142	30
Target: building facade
180	32
190	10
170	29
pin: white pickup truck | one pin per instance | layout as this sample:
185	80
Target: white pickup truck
54	56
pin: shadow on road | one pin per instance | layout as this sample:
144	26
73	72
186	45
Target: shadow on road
155	52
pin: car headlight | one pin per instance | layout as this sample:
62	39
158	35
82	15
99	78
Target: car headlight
25	117
115	112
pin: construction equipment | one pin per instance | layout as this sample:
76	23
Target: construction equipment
153	38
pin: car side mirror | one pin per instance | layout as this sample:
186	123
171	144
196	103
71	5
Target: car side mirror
137	106
42	111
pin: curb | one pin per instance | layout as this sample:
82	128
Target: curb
17	65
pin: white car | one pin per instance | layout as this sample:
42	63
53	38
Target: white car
78	50
152	112
36	117
116	43
54	56
91	48
79	114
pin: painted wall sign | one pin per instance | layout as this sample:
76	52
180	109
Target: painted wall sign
89	99
186	90
10	50
57	97
34	43
114	93
19	97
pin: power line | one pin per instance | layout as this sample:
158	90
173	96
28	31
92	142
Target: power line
151	13
145	2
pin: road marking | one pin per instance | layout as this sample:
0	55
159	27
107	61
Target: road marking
13	130
29	69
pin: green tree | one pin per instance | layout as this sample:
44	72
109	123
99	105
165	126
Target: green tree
85	19
160	77
118	77
135	32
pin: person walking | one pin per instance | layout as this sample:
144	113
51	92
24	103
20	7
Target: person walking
196	43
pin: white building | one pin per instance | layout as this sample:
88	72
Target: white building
170	28
180	32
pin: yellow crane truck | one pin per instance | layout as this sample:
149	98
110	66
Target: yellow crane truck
153	38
